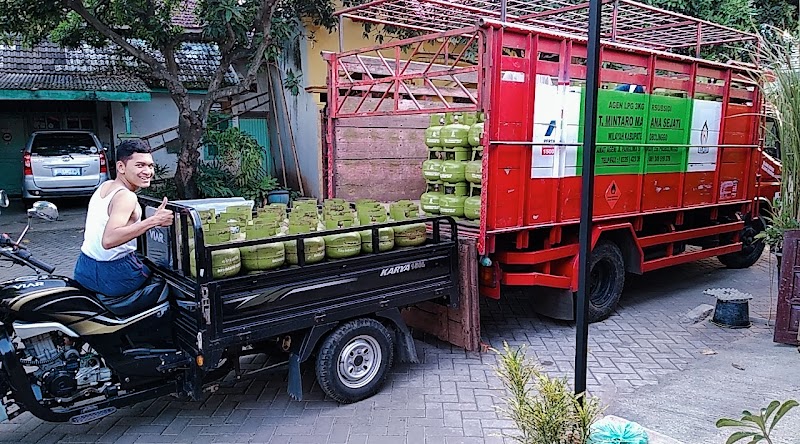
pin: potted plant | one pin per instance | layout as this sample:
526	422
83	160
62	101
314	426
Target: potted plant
780	80
279	195
778	223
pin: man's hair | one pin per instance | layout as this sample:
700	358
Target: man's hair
127	148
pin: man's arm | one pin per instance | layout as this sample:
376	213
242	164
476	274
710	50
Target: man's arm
118	231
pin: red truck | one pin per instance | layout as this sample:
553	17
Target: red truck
680	174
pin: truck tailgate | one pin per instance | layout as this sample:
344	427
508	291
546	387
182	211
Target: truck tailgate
269	304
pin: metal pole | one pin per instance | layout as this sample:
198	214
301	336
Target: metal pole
587	195
503	10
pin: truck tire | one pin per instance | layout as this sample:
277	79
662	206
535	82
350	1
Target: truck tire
607	274
354	359
752	248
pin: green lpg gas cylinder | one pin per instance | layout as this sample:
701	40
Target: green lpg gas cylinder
385	239
224	263
432	168
429	201
340	246
262	257
403	210
410	235
452	203
456	133
472	207
314	247
473	170
476	131
453	171
433	134
456	189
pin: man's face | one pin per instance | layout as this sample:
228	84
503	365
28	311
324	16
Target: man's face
138	170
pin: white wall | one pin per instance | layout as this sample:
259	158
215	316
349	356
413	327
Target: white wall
150	117
304	115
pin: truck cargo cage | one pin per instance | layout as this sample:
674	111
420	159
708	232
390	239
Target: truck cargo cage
624	21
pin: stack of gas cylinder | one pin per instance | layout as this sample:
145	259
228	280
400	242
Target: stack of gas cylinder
453	168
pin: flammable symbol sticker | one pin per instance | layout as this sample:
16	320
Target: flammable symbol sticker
612	194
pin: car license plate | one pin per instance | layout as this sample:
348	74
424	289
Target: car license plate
66	171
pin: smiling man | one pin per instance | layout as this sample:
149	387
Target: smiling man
108	263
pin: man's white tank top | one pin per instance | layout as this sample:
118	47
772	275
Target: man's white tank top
96	221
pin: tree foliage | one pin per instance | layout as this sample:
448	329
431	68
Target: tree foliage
747	15
247	32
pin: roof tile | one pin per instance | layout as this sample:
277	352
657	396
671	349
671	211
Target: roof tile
106	68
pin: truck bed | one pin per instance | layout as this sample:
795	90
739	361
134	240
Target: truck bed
213	314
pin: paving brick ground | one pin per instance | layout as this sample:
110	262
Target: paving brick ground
451	396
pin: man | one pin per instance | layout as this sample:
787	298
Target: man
108	264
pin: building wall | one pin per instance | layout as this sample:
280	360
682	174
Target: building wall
305	108
150	117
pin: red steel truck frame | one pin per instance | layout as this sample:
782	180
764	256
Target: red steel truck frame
678	158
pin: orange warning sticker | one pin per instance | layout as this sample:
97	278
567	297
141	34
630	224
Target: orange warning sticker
612	194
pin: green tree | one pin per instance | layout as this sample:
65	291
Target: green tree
746	15
249	32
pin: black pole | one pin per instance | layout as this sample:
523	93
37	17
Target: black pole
587	194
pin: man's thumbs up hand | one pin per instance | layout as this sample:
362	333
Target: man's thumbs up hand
163	217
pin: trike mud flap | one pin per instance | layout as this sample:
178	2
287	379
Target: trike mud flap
554	303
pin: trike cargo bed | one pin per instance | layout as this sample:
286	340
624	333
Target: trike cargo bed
213	314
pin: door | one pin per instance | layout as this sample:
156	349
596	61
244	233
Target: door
12	142
786	326
258	129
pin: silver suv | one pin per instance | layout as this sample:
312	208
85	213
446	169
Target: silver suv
63	164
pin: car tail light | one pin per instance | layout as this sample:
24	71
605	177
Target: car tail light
26	162
103	166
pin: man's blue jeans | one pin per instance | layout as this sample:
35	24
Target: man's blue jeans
115	278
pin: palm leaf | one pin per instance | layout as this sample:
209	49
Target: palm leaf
726	422
738	436
788	405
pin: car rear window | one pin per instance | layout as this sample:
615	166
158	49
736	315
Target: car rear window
60	144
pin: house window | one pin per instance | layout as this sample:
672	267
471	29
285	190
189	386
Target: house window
80	123
46	122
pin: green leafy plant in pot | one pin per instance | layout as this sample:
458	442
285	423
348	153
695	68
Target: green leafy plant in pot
544	409
780	78
238	169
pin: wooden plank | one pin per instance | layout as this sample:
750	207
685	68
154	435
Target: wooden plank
415	121
398	179
458	326
380	143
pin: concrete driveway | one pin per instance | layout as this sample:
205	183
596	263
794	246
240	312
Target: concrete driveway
644	363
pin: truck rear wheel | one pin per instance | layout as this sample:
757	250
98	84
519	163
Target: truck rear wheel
353	361
607	274
752	248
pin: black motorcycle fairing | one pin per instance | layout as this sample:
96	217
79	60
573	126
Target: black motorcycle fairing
63	300
48	298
